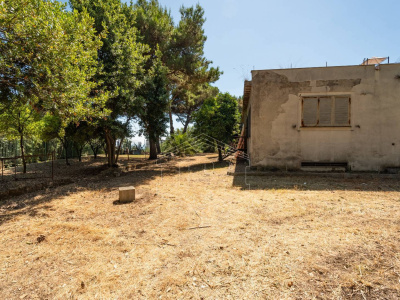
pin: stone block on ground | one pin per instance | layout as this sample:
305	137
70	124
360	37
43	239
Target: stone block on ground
126	194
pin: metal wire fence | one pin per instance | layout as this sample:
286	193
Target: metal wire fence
39	166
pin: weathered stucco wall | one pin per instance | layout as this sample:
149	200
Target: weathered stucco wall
371	142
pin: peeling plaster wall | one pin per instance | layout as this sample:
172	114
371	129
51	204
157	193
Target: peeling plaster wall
278	140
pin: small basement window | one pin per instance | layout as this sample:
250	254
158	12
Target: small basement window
326	111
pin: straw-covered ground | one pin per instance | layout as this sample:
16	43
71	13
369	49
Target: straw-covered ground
196	233
13	182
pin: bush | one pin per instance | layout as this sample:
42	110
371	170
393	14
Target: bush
182	144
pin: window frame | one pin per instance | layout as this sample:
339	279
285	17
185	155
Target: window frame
248	124
333	110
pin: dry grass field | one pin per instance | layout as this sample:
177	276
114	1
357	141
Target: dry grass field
197	233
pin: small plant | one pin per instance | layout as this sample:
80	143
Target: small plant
181	144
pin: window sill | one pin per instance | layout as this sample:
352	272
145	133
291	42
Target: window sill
326	128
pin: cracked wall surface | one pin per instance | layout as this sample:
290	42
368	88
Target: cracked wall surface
371	142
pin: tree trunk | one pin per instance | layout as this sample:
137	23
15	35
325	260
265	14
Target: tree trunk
108	152
110	141
21	143
119	150
186	125
95	149
171	122
79	151
105	149
64	142
66	156
153	149
91	147
220	154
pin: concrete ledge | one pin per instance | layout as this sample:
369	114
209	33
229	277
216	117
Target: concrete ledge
323	169
316	174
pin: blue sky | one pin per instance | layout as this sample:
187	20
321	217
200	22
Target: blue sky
266	34
263	34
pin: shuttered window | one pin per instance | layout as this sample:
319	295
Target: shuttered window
310	111
342	117
326	111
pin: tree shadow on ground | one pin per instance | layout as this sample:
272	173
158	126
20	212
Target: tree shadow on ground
313	182
100	178
27	204
108	180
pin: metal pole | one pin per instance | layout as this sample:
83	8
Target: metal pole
52	165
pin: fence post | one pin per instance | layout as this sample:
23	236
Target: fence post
52	165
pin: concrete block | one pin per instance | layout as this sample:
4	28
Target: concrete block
126	194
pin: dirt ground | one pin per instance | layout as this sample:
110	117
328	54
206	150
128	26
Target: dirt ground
48	173
197	233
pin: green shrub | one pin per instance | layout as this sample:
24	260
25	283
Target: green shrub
182	144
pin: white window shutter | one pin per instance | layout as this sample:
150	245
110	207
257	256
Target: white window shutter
310	111
342	111
325	111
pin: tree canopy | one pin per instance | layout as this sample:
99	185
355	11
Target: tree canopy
152	104
219	118
121	58
180	48
85	74
48	57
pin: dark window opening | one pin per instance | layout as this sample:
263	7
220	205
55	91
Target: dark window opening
323	164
